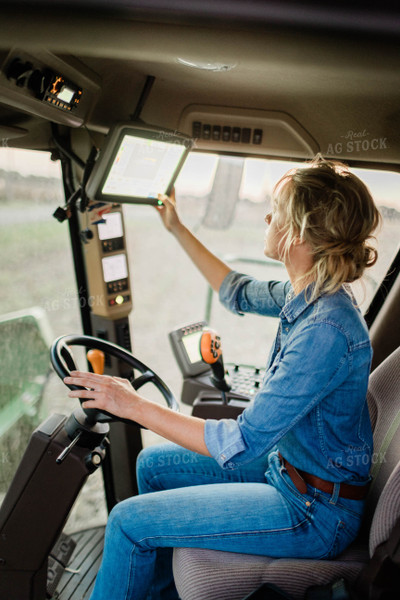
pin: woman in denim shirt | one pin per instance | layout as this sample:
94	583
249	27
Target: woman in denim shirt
288	477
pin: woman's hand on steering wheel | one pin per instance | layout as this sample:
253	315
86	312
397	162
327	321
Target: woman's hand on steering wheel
64	365
114	395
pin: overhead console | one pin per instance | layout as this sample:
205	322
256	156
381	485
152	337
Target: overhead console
247	131
47	86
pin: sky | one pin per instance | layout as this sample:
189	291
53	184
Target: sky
28	162
259	175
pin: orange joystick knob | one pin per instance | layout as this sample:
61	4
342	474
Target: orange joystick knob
211	353
96	359
210	346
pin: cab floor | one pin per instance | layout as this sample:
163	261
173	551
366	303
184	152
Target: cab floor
78	578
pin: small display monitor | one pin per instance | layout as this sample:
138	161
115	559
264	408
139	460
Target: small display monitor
185	343
114	267
112	227
191	343
136	163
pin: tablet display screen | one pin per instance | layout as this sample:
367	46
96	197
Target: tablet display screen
138	164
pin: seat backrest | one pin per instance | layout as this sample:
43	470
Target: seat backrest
383	502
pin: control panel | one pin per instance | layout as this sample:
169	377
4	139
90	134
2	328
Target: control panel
244	380
43	84
104	247
227	133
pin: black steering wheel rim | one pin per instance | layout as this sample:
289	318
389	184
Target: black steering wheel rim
63	362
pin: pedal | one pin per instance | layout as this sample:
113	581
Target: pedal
58	560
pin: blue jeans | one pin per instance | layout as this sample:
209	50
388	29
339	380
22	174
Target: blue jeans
194	503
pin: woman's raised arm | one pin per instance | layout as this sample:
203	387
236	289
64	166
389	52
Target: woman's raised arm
213	269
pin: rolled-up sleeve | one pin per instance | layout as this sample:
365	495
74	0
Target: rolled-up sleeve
241	294
295	383
224	440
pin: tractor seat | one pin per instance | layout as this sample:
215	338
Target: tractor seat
215	575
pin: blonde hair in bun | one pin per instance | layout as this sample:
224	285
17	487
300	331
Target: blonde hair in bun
332	210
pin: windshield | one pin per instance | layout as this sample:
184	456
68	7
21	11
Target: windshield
224	201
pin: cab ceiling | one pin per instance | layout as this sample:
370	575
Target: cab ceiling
332	83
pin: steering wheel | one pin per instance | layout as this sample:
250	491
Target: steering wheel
63	363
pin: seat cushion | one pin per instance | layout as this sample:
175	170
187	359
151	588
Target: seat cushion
387	511
212	575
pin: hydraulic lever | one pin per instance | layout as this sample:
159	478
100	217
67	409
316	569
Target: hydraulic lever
68	449
211	353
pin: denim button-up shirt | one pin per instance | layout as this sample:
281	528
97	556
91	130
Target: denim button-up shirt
312	401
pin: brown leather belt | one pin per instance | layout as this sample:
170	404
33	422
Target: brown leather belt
301	478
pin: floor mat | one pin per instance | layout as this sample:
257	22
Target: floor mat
78	578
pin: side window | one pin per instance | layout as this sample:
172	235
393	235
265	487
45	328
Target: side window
37	267
37	299
384	187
